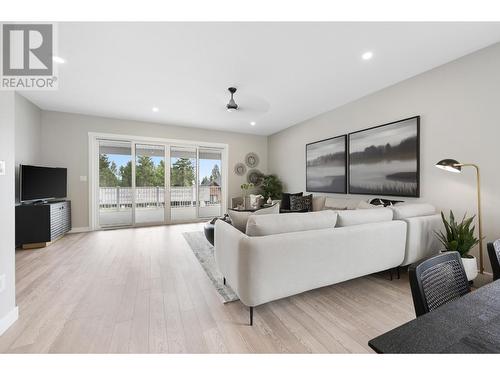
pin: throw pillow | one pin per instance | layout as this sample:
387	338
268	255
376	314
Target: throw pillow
365	205
384	202
301	203
239	218
285	199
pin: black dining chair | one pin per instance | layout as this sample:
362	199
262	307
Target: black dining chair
436	281
494	254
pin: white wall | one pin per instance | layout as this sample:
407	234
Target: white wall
8	310
27	134
64	143
458	103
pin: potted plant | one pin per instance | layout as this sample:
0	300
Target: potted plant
459	236
271	187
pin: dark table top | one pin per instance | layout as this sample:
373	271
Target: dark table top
470	324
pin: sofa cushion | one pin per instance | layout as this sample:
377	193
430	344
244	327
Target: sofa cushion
292	222
407	210
303	203
239	218
341	203
370	215
285	199
318	203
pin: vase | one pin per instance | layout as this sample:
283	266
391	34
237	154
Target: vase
470	267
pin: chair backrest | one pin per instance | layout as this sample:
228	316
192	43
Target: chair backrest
436	281
494	254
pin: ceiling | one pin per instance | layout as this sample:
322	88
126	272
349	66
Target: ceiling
285	72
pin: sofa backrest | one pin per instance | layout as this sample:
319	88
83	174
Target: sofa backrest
370	215
407	210
292	222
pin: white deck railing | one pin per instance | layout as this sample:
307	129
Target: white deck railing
114	198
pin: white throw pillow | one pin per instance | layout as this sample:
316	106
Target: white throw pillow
318	203
356	217
291	222
364	205
339	203
407	210
239	218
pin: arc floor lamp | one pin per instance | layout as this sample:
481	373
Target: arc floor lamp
452	165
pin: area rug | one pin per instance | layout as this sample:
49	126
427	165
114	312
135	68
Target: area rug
204	252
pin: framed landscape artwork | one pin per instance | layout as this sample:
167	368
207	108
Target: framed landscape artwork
326	165
385	160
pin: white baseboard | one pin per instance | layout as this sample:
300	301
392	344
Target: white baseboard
8	320
80	230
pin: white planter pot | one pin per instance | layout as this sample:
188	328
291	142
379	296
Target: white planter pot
470	266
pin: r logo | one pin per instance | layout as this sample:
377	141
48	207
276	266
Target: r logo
27	50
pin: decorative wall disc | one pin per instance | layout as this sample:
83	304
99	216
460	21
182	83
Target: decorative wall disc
254	176
240	169
252	160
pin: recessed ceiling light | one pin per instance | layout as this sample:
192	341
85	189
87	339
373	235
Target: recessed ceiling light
58	60
253	123
367	55
156	109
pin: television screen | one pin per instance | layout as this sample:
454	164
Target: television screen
42	182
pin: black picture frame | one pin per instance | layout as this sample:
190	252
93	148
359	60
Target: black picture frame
342	189
404	191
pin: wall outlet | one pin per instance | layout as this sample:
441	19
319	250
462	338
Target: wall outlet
2	283
2	167
83	178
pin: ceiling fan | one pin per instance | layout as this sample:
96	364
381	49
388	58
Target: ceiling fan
232	106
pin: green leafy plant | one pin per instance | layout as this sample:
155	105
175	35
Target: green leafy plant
458	236
271	186
246	187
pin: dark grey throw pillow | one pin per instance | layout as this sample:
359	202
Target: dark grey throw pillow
285	199
301	203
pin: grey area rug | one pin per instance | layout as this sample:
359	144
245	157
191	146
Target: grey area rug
204	252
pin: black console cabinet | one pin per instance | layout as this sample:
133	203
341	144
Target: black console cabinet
39	224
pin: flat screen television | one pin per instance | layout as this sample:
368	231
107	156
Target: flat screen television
42	183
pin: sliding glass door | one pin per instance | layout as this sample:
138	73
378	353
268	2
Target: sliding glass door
183	172
115	183
135	186
210	182
149	184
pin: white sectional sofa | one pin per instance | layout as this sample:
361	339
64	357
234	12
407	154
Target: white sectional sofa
285	254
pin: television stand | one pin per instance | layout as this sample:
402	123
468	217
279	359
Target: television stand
40	224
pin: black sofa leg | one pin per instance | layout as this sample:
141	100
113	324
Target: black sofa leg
251	315
224	280
390	273
399	276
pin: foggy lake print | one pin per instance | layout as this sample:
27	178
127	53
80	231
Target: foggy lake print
384	160
326	165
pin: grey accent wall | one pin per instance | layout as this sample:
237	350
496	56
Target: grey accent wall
64	143
459	108
7	142
28	134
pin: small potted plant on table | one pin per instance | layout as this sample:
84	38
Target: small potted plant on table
459	236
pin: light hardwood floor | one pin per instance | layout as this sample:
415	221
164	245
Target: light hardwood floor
143	291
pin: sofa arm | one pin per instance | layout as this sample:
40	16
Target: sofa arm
421	240
227	245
